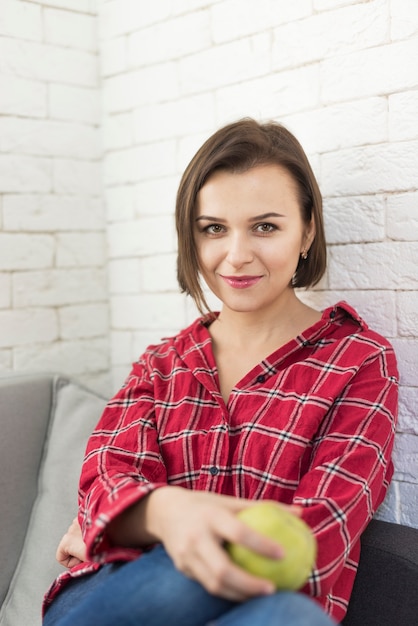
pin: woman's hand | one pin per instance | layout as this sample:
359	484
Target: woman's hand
194	525
71	550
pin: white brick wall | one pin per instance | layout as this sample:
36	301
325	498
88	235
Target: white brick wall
340	74
121	127
53	293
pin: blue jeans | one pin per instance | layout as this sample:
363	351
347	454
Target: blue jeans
151	592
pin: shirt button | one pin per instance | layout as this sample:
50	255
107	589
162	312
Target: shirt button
214	470
261	378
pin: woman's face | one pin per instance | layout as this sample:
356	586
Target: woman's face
249	235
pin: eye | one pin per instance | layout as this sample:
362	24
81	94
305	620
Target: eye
264	228
214	229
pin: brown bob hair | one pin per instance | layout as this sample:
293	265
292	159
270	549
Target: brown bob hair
237	148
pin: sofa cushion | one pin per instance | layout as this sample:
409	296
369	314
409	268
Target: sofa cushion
74	412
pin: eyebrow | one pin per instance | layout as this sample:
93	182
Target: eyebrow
257	218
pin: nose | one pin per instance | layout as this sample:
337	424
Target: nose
239	250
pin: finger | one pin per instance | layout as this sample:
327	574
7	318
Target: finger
231	529
222	577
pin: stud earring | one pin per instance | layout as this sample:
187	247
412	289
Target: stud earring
304	254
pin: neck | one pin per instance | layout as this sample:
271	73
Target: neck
285	320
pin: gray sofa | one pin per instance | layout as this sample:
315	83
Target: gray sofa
45	421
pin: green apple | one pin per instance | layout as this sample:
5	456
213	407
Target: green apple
291	532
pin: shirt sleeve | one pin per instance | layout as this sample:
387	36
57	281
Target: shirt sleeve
350	467
122	462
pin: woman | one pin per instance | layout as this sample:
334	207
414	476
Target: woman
268	399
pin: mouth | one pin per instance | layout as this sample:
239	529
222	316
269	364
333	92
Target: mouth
241	282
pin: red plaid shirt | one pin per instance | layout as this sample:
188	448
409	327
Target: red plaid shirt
312	424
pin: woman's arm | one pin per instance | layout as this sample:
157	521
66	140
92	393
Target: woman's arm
350	467
193	526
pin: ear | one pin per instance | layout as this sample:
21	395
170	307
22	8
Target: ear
309	235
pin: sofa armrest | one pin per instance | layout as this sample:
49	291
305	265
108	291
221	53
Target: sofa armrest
25	407
385	589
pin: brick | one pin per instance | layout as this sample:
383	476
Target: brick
89	320
406	352
406	451
52	213
101	382
191	310
402	216
232	19
377	308
113	56
77	177
171	39
119	203
20	96
21	251
183	6
176	118
403	19
138	238
6	360
272	96
139	163
408	496
72	30
124	276
403	116
118	374
353	219
21	20
80	250
381	70
59	287
350	28
370	169
389	509
407	306
407	410
374	266
5	291
33	60
326	5
121	348
147	311
74	358
159	273
118	131
25	327
83	6
228	63
325	129
140	87
78	104
143	339
119	17
49	138
187	148
156	196
25	174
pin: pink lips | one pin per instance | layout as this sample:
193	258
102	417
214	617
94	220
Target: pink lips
241	282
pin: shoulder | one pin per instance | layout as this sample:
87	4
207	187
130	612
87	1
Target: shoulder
355	339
